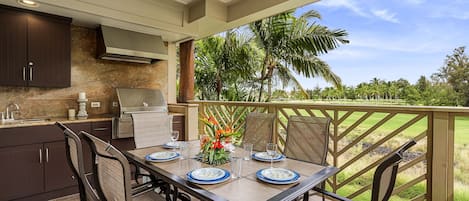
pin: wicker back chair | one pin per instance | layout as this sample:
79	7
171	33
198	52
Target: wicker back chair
74	152
259	130
307	139
113	172
151	129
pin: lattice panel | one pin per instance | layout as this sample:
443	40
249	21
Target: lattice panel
230	114
360	139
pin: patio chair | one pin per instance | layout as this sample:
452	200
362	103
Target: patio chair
259	130
151	129
74	152
113	174
384	178
308	140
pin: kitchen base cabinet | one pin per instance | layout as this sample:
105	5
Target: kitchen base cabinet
34	162
21	171
57	173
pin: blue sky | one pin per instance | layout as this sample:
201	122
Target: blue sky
391	39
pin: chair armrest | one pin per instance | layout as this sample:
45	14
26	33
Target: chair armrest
330	194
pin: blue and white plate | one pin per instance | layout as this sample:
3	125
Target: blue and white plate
207	174
162	156
171	145
209	179
263	156
277	176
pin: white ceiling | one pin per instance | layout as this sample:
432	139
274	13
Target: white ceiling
174	20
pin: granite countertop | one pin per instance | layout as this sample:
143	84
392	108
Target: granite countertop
51	121
65	120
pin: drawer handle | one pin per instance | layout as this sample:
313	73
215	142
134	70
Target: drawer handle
30	73
47	155
101	129
40	156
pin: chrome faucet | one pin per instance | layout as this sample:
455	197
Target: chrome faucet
9	114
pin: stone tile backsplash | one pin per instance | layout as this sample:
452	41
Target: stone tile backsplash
98	78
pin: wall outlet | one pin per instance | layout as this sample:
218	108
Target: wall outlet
95	104
114	104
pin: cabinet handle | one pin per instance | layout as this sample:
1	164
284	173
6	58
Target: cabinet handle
101	129
30	73
40	156
24	73
73	177
47	155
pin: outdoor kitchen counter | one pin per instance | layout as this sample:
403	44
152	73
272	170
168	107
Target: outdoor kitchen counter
51	121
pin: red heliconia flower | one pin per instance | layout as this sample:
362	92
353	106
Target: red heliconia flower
218	133
212	120
217	145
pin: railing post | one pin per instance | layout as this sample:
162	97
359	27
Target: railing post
441	145
201	114
273	109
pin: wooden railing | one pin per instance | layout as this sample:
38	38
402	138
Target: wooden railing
362	136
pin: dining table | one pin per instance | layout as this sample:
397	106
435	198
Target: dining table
246	187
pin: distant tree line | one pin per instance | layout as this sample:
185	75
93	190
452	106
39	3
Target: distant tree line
447	87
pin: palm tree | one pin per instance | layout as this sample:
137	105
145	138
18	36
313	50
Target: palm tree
223	59
293	44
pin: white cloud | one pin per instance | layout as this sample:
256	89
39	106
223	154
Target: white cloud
349	4
385	15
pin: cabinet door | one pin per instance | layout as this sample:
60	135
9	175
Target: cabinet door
58	174
21	171
48	52
13	48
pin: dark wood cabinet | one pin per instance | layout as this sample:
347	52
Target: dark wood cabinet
21	171
34	48
13	46
34	163
48	52
57	173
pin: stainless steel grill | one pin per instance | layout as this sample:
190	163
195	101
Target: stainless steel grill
135	100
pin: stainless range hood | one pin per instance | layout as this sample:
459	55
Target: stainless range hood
123	45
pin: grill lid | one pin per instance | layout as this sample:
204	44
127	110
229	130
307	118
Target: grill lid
138	100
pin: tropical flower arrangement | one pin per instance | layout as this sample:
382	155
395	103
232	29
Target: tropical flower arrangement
215	144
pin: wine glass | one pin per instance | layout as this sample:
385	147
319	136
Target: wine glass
174	137
271	149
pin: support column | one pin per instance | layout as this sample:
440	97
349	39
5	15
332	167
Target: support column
441	169
172	69
187	72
